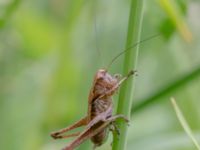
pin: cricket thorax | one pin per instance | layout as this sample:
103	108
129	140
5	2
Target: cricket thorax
104	82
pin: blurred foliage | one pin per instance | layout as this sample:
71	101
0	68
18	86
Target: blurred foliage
166	27
48	58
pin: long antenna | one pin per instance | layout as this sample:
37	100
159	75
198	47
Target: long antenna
96	38
129	48
96	33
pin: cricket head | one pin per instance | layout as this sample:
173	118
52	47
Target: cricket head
104	81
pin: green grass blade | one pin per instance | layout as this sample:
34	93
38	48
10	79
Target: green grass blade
184	123
130	63
180	82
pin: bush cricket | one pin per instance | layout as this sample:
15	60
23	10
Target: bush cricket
99	120
99	117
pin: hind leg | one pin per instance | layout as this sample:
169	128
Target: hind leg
57	134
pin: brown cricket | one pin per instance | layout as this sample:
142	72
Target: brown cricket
99	120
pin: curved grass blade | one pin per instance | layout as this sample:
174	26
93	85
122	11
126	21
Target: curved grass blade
176	84
184	123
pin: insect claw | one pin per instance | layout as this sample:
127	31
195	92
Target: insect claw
55	135
118	132
114	128
132	72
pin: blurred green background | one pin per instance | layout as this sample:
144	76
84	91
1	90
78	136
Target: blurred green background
50	51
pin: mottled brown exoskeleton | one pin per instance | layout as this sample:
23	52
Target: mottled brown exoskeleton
99	119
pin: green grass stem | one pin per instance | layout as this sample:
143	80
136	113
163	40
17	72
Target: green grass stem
130	63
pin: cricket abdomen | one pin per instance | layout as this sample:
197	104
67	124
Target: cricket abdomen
101	137
99	106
